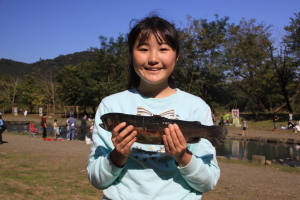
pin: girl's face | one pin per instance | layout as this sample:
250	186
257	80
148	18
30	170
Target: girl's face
153	61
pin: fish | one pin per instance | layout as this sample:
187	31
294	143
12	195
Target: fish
151	128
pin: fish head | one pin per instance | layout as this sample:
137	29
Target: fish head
107	123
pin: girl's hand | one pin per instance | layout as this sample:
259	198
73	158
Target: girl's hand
176	145
122	139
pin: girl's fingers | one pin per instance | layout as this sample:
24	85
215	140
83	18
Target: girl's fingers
180	137
165	140
117	129
123	138
174	140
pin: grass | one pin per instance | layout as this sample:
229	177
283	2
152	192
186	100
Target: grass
33	176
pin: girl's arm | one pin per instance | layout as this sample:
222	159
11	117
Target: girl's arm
202	172
101	171
109	152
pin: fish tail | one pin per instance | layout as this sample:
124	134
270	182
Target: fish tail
219	138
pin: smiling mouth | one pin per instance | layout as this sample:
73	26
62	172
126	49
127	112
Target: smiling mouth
153	69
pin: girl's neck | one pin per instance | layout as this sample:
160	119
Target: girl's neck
155	92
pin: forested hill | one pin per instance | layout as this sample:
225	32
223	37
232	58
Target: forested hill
15	68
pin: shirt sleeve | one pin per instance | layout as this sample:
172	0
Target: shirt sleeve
101	171
202	173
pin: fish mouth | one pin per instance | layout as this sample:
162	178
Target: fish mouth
103	126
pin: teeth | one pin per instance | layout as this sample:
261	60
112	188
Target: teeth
152	69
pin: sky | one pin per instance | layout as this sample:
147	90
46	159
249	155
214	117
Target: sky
31	30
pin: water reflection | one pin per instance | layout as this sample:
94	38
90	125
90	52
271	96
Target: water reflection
23	127
245	149
17	127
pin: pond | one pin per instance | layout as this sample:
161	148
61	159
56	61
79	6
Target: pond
245	149
23	127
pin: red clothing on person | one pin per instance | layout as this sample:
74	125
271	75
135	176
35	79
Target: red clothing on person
43	122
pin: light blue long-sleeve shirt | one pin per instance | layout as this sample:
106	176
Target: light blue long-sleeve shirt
149	172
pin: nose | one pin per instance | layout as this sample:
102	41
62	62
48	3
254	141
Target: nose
153	58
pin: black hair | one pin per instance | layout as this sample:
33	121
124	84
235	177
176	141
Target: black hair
163	31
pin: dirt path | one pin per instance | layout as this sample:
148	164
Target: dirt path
238	181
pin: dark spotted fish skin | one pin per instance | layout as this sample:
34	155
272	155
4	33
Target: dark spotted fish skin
151	128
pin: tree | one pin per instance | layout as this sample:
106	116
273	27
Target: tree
199	70
292	39
9	89
88	83
49	87
31	92
245	57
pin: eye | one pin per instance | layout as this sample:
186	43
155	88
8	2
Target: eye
164	49
143	49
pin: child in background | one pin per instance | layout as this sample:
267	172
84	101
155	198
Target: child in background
91	128
55	129
125	169
245	126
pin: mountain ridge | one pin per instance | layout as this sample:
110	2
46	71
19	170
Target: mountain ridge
16	68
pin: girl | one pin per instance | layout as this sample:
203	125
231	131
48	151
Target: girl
55	129
125	169
245	126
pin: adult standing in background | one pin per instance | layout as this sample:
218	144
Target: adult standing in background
2	128
44	125
275	119
83	127
72	127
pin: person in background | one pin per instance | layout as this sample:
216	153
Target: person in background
44	125
83	127
275	119
290	116
244	127
227	122
25	114
213	118
297	127
91	128
55	129
125	169
72	127
2	128
221	123
290	125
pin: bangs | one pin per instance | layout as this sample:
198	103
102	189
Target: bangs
160	38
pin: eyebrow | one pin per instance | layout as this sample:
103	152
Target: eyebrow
142	43
145	43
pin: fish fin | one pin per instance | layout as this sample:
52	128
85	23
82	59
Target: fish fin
193	140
